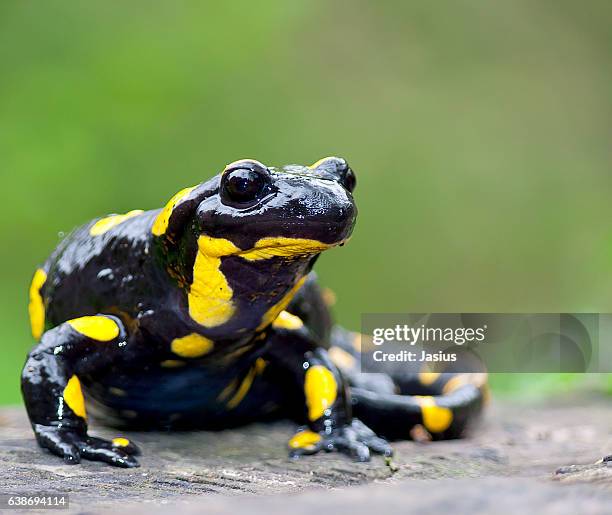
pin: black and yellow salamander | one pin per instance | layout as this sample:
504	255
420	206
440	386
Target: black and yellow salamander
205	314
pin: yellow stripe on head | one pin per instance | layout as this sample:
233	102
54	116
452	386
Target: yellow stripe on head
320	162
36	307
98	328
160	226
279	246
216	247
321	390
73	397
105	224
210	295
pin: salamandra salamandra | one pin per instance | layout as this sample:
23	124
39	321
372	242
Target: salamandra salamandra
205	314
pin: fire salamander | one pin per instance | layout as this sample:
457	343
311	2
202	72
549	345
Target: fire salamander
205	314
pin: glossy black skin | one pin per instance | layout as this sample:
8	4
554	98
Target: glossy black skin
141	281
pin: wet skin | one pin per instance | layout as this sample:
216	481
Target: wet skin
205	314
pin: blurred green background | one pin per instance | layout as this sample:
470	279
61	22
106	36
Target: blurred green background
480	133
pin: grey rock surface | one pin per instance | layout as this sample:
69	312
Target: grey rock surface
536	456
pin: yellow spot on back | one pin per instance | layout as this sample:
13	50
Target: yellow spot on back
428	378
172	363
161	222
210	295
286	320
321	390
436	418
120	442
105	224
304	439
341	358
73	396
273	313
191	346
98	328
36	308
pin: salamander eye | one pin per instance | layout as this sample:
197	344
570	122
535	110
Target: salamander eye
245	183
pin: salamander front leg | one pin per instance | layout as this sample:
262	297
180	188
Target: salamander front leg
327	409
52	390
